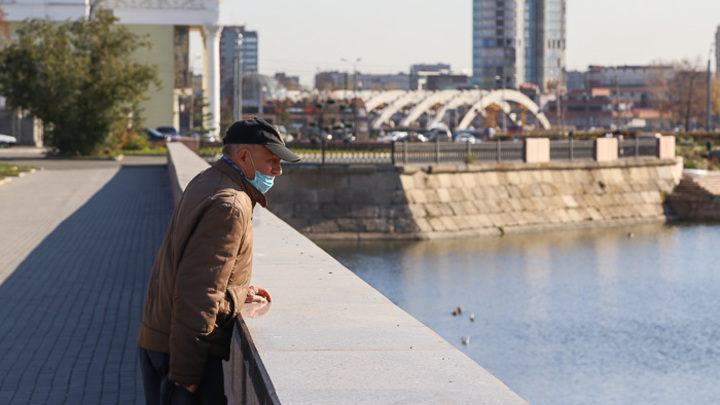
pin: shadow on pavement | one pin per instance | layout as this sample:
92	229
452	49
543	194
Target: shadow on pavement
71	310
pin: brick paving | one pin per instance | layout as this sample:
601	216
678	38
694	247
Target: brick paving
77	241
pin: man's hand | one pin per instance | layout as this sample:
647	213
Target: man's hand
258	294
256	310
190	387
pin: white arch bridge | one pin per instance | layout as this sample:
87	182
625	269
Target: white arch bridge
401	108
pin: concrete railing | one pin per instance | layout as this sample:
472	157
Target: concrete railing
329	337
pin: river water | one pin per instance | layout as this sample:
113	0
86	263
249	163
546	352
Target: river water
609	316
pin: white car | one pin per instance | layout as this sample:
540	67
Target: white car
465	137
7	140
393	136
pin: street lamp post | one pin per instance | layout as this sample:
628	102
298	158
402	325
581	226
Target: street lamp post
355	89
237	97
504	124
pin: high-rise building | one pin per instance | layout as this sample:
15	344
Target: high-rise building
518	41
248	56
498	54
717	52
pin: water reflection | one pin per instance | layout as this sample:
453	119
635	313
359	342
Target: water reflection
587	317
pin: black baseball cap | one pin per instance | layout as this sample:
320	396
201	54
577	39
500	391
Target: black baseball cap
259	132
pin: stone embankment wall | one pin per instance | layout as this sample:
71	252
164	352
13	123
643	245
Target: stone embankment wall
345	201
697	197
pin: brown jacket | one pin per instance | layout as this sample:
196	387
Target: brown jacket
202	273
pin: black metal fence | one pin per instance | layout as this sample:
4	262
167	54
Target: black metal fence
403	153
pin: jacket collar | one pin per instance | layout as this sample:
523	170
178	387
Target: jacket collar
252	192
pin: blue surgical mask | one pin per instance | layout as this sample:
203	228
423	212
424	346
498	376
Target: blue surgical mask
262	182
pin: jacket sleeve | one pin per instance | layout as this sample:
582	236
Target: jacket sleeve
200	283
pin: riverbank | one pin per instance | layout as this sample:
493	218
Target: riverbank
450	201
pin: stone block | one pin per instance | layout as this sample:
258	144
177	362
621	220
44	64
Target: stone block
418	211
512	204
313	196
423	224
320	180
486	193
283	210
300	224
407	182
353	195
437	224
464	222
379	225
574	215
513	177
325	226
443	195
431	195
468	180
469	193
450	223
336	210
469	207
552	216
350	225
365	211
416	196
306	210
457	194
513	191
502	178
457	209
432	181
433	210
651	197
406	225
536	190
491	178
525	190
563	215
375	181
528	204
445	180
548	189
421	180
395	211
594	214
546	176
569	201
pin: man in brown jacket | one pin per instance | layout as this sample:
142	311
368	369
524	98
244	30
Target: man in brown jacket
201	276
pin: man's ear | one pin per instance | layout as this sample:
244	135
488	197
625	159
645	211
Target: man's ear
242	156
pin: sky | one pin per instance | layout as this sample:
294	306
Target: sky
302	37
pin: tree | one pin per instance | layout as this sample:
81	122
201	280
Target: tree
80	78
680	92
4	28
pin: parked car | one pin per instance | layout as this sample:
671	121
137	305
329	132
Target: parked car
7	141
393	136
170	133
155	136
441	134
466	137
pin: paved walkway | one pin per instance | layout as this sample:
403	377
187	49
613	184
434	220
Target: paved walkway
77	241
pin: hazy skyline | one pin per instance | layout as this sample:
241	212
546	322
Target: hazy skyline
303	38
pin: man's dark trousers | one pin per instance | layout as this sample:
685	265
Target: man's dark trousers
159	390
